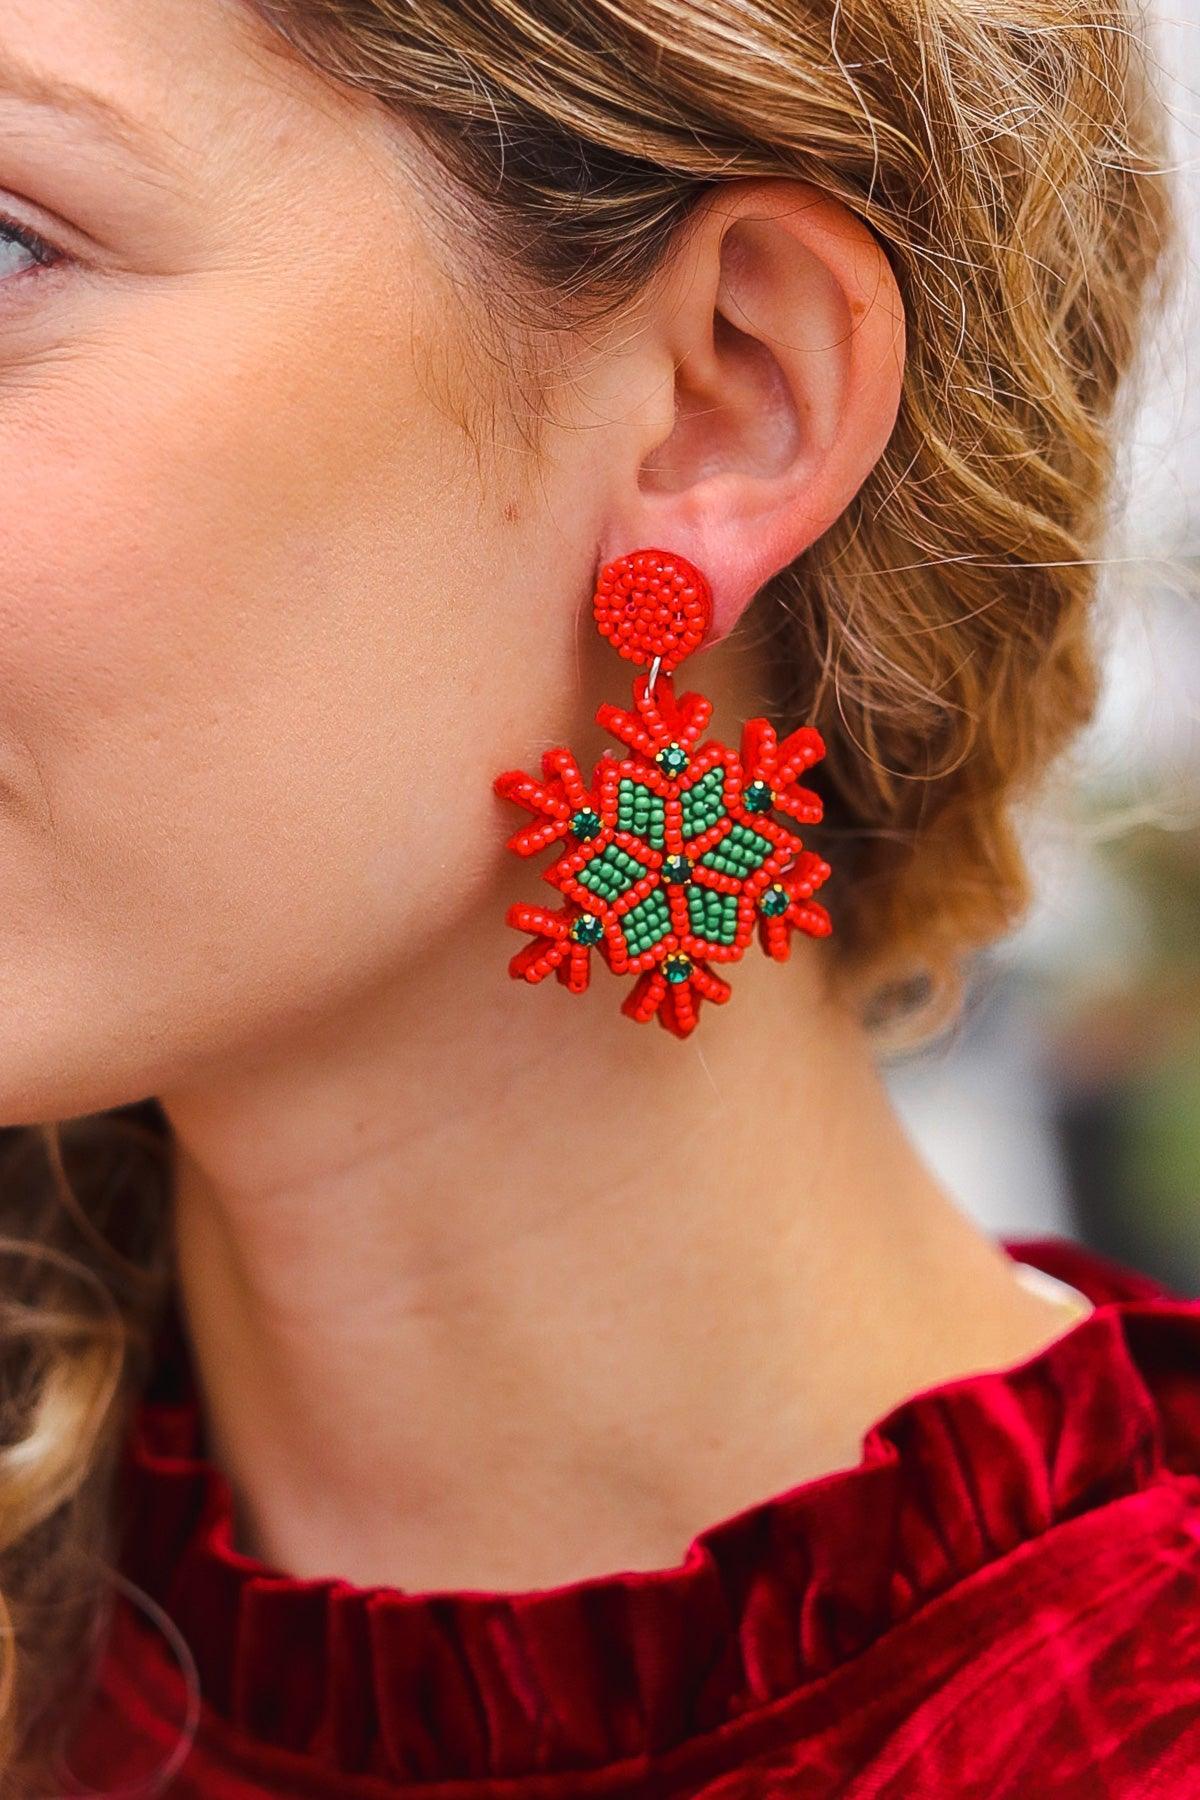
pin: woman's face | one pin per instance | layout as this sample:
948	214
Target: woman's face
266	625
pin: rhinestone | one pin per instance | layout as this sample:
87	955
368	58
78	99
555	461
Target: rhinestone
774	900
672	759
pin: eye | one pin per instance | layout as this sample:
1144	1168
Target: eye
16	238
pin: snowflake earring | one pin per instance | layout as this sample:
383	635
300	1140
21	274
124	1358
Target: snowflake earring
672	858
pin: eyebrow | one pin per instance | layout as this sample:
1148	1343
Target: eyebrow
20	80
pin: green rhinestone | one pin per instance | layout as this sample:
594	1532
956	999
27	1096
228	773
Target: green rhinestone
677	869
774	900
587	929
672	759
758	797
586	823
677	968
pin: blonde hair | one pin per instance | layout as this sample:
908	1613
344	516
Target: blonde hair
1008	156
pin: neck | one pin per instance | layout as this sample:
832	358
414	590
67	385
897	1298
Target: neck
490	1287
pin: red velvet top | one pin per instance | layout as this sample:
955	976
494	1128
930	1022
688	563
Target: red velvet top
1001	1599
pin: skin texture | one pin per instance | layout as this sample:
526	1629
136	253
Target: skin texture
487	1285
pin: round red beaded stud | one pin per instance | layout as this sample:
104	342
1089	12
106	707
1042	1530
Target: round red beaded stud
675	856
652	605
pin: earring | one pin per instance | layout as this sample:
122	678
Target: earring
672	856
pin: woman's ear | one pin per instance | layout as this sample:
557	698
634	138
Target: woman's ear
784	330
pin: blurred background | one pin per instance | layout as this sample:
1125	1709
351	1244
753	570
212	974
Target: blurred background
1067	1098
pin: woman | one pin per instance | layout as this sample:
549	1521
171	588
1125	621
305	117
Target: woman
390	1327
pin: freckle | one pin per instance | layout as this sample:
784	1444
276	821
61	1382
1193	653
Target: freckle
511	511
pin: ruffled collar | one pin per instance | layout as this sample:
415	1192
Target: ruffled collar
436	1686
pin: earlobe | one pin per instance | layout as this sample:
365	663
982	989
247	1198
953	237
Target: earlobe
785	329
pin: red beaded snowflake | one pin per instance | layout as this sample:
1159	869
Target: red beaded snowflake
673	858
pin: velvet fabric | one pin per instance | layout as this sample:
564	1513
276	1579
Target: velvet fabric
1001	1599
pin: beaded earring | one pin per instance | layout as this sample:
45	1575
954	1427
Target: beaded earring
672	857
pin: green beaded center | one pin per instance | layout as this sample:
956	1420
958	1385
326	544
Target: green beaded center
587	929
739	853
677	967
677	869
703	804
640	811
586	823
612	873
758	797
713	916
774	900
647	923
672	759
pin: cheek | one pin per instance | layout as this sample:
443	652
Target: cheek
245	698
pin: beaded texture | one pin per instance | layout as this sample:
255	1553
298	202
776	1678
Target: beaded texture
674	857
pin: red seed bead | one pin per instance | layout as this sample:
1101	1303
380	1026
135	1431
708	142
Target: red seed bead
652	603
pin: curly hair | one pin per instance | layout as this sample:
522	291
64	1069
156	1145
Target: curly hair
1009	159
